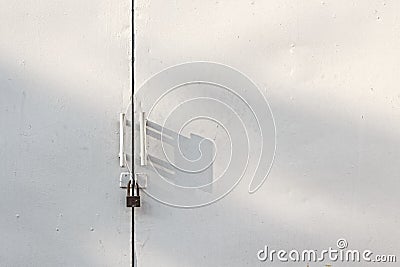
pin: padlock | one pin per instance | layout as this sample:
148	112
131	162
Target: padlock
132	201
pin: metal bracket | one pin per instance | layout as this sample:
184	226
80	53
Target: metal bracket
141	180
122	155
142	136
124	179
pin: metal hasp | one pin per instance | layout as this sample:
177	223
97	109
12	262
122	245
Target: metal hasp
132	201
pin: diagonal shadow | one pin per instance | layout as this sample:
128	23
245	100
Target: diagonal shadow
184	161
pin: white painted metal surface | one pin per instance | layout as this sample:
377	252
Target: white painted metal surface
64	77
330	71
